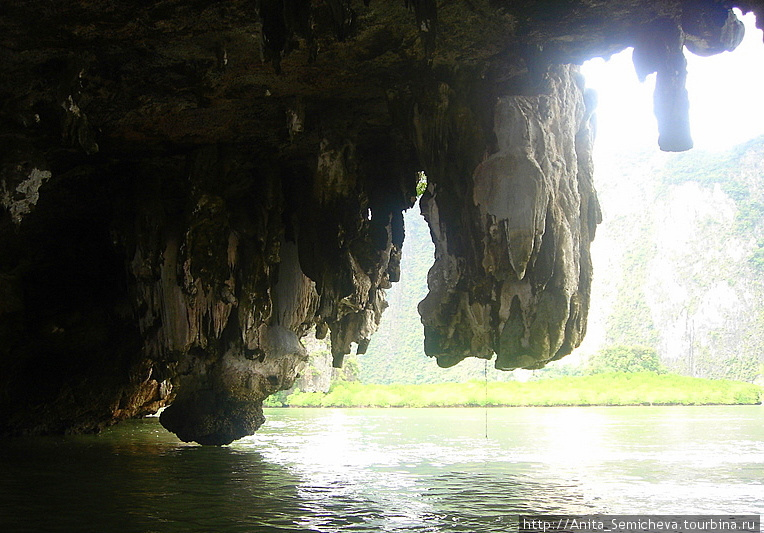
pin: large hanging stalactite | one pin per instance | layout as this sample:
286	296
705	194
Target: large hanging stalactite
512	268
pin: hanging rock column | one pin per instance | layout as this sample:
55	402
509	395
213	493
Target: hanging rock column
512	270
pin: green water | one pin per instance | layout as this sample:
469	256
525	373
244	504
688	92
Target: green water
371	470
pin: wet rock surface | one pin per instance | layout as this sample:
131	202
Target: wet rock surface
187	189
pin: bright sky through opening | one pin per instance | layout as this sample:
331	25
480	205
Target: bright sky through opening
725	90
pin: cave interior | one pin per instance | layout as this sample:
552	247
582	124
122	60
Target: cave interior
188	188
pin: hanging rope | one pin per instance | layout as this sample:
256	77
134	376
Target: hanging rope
485	400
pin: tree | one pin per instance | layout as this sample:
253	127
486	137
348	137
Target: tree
621	358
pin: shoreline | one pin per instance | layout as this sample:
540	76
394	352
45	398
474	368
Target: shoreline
601	390
495	406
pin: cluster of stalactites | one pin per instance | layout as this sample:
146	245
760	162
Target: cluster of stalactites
224	293
285	20
350	241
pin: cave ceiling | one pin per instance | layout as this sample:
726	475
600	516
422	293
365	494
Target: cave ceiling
187	188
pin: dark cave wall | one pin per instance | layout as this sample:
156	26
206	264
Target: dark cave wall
184	275
188	188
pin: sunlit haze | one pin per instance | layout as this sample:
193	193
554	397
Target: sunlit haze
725	91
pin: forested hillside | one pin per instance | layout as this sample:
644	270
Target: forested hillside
679	259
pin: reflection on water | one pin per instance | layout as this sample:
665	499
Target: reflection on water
391	470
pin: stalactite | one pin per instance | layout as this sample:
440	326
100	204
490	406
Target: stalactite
519	292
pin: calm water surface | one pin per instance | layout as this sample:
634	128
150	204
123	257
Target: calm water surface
389	470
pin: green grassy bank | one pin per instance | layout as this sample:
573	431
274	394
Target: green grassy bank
644	388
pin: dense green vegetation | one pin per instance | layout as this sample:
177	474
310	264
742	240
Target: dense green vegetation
625	359
641	388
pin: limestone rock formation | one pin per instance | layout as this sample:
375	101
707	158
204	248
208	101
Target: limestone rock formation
188	188
512	271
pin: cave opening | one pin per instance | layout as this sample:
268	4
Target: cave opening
725	114
247	189
189	188
676	256
724	92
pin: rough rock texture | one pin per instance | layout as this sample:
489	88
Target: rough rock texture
188	187
512	271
